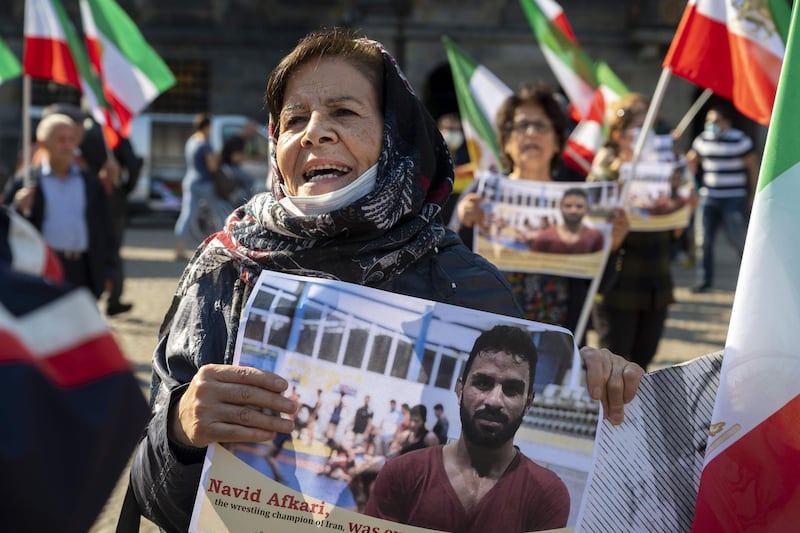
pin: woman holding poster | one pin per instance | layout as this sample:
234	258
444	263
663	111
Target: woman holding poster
360	173
629	316
531	129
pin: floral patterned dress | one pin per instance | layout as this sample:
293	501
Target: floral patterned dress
543	298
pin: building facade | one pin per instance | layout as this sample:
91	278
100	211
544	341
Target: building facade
222	51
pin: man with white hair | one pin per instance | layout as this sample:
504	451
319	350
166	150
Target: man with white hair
67	205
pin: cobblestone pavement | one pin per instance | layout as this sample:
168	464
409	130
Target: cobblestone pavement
697	323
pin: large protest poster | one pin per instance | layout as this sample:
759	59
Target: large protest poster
343	346
657	195
524	227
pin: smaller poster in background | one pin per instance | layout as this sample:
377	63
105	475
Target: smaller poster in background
658	195
545	227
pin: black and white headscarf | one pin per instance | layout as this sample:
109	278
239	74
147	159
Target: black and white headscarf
368	242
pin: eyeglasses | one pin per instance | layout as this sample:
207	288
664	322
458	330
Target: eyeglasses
539	126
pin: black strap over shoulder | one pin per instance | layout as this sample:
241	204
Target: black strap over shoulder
130	516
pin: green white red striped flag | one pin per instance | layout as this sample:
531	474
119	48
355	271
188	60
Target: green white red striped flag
553	11
750	477
479	93
573	69
54	52
10	67
734	48
589	134
132	73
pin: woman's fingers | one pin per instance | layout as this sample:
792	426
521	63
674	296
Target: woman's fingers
226	403
612	380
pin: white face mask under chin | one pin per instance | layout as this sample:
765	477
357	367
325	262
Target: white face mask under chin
331	201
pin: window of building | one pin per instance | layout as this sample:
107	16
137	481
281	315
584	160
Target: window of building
426	368
356	344
308	331
444	378
380	353
254	329
191	91
45	92
402	358
279	329
333	327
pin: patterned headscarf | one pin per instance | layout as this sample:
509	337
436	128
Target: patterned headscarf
367	242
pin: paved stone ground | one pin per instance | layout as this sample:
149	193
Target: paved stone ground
697	323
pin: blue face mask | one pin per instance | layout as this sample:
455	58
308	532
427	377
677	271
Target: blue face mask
713	129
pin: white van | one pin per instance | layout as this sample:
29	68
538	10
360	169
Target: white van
159	138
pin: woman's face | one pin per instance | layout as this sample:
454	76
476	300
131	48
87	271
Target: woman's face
627	137
331	128
533	140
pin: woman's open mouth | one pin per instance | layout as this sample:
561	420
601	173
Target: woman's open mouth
325	172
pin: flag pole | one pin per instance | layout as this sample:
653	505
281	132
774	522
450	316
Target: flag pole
583	320
691	113
649	120
26	127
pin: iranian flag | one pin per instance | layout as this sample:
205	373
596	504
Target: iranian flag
54	52
573	69
751	477
132	73
733	48
479	93
552	10
589	133
9	65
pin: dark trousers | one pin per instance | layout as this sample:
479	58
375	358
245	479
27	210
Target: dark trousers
632	334
731	214
76	268
118	206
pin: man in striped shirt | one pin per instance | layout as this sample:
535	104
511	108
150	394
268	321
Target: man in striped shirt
729	172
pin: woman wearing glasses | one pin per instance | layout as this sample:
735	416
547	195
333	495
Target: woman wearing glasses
531	129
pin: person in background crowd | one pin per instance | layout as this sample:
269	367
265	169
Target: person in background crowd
530	127
118	170
450	127
201	161
629	315
730	172
68	205
231	159
442	425
418	435
131	166
360	173
362	423
389	425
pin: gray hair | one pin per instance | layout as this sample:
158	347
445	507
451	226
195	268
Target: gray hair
51	122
